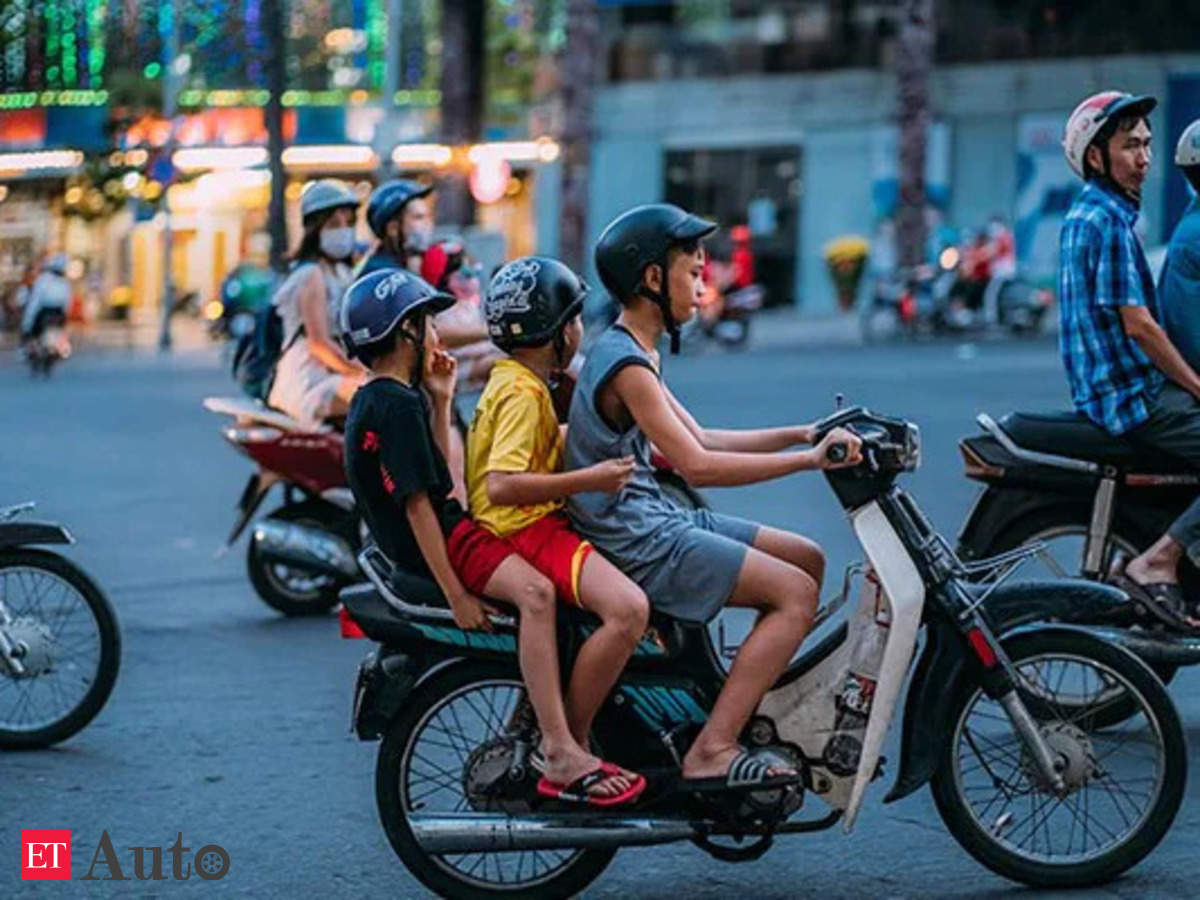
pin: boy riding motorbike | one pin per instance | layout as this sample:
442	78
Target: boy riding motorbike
690	565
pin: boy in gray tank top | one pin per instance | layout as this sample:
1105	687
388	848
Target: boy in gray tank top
690	564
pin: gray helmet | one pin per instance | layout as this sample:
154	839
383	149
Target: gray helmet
641	237
326	194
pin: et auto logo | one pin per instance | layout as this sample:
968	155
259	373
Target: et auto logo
46	856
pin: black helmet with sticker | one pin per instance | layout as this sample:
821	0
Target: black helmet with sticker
529	301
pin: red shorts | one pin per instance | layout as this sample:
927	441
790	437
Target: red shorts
553	547
475	554
550	545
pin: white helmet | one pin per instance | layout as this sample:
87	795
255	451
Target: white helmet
1187	151
1089	117
327	193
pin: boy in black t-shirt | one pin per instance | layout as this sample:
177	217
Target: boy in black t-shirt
396	446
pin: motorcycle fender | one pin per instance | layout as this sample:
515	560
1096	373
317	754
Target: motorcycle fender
927	711
253	494
993	510
943	662
25	534
1067	600
385	679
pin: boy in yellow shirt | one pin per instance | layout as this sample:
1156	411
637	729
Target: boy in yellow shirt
517	487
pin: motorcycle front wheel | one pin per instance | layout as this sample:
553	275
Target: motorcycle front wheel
1124	783
66	638
450	730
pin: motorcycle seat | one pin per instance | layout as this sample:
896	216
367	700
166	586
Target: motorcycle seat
1070	434
382	621
244	408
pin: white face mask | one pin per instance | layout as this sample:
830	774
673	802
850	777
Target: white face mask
337	243
418	241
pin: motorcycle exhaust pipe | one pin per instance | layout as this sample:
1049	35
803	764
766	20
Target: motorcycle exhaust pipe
496	832
305	547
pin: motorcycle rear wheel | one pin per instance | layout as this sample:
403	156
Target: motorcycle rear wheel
1056	526
988	756
443	717
289	589
28	568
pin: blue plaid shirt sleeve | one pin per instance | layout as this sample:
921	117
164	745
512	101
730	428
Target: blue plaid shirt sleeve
1118	282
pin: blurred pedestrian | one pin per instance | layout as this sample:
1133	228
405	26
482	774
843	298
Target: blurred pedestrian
400	215
314	379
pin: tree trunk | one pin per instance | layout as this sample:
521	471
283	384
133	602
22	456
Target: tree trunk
273	19
579	71
912	79
462	100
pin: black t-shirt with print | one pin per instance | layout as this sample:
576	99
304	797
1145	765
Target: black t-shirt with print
390	455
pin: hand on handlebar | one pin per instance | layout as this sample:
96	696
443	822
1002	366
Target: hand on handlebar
839	449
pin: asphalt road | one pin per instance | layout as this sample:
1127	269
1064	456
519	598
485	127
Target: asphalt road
229	723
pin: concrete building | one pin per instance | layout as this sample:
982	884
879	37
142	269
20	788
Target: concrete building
993	148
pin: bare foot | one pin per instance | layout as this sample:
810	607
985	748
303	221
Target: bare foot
702	762
565	766
1151	572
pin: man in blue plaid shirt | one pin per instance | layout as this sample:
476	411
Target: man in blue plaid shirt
1124	372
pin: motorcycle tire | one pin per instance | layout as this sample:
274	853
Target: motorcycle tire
396	755
270	579
986	846
110	650
1075	517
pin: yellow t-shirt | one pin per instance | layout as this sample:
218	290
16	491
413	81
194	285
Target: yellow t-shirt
515	429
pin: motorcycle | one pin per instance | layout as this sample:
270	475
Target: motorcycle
303	552
908	302
1013	774
725	317
60	645
50	345
1057	482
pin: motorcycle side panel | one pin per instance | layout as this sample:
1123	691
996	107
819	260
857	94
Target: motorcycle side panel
25	534
905	590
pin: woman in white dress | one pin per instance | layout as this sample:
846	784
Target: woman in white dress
315	380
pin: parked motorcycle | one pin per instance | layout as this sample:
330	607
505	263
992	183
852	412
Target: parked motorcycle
60	646
1035	793
1085	499
303	552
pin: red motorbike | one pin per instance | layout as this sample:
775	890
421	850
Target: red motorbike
306	550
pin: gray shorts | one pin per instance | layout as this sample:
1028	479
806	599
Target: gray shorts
695	576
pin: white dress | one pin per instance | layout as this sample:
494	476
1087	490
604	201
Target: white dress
304	388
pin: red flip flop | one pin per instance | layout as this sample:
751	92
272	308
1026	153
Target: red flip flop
577	790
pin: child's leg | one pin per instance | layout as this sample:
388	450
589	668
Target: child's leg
793	548
623	611
518	583
786	597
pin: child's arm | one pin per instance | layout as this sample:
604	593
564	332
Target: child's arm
441	371
761	440
532	488
639	390
469	611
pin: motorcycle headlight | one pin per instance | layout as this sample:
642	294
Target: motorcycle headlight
912	447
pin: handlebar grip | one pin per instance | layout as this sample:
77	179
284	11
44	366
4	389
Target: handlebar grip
837	453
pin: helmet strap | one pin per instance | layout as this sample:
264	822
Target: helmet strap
418	345
662	297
